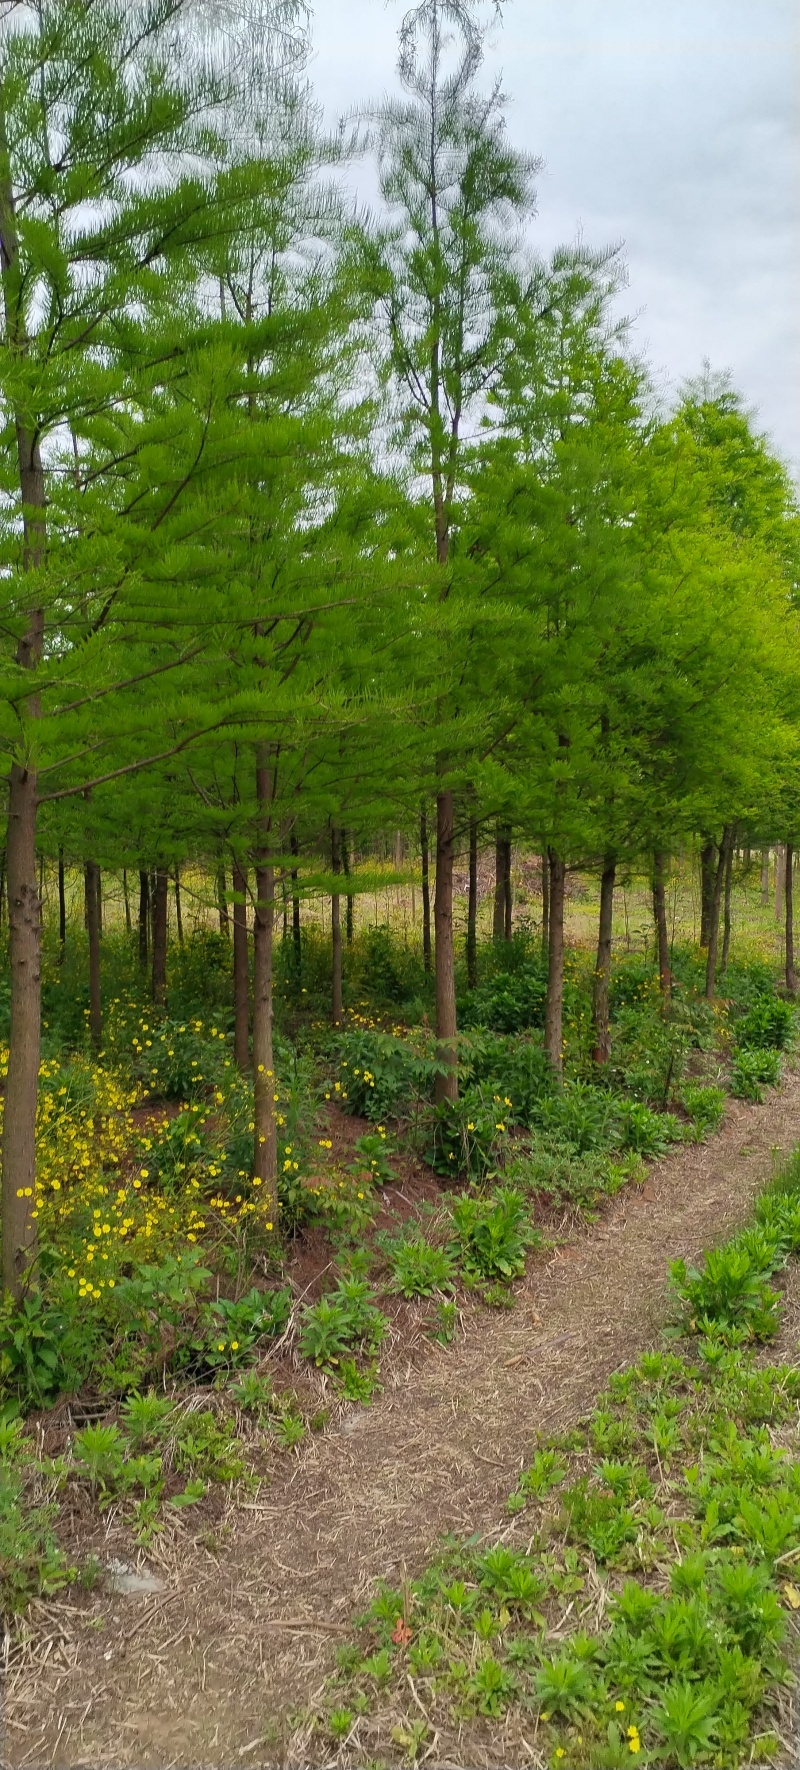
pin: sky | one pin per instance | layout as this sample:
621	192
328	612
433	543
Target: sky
670	126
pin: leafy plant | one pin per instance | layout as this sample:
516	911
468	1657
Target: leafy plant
418	1268
753	1070
491	1235
345	1319
705	1106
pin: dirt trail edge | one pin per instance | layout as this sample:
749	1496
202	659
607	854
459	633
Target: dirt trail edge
211	1671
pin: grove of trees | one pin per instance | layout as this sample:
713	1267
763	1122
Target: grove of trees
317	524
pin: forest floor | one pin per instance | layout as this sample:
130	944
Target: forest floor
222	1663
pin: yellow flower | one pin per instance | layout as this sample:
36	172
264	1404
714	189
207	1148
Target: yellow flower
619	1706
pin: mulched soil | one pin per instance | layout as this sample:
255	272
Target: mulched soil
220	1668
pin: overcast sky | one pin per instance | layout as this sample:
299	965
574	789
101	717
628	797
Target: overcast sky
670	125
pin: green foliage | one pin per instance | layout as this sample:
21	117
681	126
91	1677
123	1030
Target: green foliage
468	1135
705	1106
31	1563
753	1070
380	1075
346	1319
491	1235
769	1024
583	1115
511	1002
419	1268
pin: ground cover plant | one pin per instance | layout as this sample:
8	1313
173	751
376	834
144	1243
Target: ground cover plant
639	1607
165	1275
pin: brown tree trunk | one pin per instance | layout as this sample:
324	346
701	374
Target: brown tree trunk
24	905
662	931
602	970
716	905
241	970
178	906
554	1012
62	904
791	976
126	900
19	1125
472	906
297	942
2	883
265	1153
780	876
508	902
765	877
446	1025
545	903
726	914
144	918
92	894
707	881
222	903
426	890
336	936
499	913
349	908
160	901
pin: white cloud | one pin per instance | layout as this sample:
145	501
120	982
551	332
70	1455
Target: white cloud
671	125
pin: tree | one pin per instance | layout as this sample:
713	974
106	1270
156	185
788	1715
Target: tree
441	271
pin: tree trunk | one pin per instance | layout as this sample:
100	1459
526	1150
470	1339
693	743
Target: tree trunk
144	918
126	900
297	942
508	903
446	1025
24	903
426	890
780	876
265	1153
707	881
2	883
554	1013
716	905
346	870
222	903
764	877
19	1126
662	931
499	914
791	976
472	906
241	970
178	906
726	917
545	903
336	935
62	905
602	970
160	901
92	889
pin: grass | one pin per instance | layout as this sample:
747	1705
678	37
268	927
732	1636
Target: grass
639	1606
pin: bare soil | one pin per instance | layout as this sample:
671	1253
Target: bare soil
224	1666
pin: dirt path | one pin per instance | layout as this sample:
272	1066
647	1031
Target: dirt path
212	1671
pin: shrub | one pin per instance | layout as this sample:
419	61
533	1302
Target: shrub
753	1070
769	1025
731	1292
467	1134
379	1074
582	1114
345	1319
647	1132
418	1268
491	1235
705	1106
508	1002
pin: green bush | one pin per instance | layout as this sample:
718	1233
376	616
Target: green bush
705	1106
508	1002
491	1235
418	1268
583	1115
752	1071
344	1320
379	1075
769	1025
647	1132
467	1135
